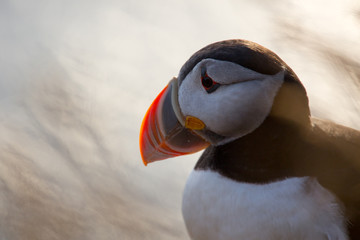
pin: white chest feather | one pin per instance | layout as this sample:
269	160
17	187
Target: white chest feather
215	207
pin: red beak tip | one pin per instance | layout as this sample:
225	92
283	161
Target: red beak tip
143	158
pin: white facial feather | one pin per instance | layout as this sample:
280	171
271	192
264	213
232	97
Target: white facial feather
215	207
238	106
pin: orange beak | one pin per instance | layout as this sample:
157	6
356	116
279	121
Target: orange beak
163	134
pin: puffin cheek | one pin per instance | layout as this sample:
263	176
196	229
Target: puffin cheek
242	108
238	113
250	118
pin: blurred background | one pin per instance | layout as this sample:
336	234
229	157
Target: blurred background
76	78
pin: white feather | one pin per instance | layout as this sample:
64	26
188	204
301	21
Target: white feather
215	207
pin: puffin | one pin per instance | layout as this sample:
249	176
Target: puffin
269	169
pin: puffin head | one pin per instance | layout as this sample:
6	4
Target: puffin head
223	92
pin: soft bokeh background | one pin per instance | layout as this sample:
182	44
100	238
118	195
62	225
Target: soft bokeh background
76	78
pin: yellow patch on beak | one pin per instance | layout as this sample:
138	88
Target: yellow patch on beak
194	123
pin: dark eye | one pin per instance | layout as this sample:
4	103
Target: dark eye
208	83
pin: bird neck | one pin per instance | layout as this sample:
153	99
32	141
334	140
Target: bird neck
264	155
291	104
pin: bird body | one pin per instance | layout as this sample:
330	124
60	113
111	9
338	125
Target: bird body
270	170
276	194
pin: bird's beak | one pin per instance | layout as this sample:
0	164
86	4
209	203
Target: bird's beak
163	133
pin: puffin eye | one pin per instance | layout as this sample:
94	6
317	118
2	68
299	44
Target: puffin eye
208	83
